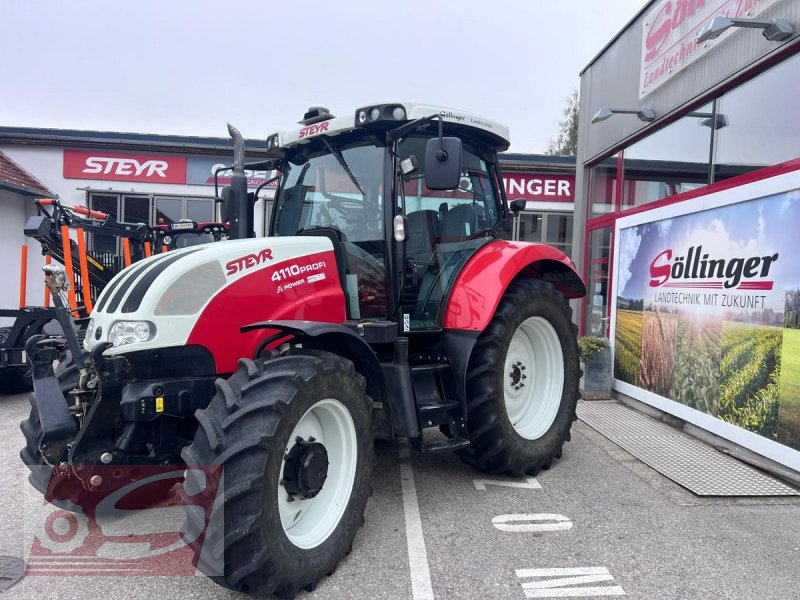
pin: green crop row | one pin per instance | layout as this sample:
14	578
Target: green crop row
750	375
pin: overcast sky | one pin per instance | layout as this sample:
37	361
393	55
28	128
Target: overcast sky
187	67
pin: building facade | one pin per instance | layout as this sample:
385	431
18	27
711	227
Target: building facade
688	195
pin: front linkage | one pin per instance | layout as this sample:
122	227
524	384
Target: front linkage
93	412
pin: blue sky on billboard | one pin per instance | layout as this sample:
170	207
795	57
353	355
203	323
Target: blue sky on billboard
188	66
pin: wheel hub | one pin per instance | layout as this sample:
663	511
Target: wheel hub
516	376
306	468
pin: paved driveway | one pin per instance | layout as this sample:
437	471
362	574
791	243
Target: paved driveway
598	524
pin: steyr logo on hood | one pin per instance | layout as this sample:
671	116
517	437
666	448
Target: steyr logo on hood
248	262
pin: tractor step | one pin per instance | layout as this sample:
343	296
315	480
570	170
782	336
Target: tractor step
447	445
438	405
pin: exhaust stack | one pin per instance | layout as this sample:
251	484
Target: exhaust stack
239	210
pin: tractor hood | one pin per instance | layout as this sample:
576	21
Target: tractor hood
203	295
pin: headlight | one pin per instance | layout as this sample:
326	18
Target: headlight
129	332
89	329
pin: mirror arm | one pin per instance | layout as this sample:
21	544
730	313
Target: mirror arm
441	155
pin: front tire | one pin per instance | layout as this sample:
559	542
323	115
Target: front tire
297	426
522	382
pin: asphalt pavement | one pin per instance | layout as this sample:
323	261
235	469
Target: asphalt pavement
598	524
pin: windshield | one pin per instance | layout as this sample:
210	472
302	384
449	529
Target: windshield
338	188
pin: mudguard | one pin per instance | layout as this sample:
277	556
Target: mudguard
332	337
484	279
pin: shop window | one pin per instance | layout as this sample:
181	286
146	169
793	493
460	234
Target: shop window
109	205
598	282
558	232
136	209
761	125
168	210
671	161
603	187
200	210
530	227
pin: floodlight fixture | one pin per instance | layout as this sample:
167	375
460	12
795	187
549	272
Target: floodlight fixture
776	30
644	114
708	119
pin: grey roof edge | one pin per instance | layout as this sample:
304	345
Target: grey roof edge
610	43
26	191
540	162
82	137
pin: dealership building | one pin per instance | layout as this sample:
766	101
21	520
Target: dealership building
164	178
687	208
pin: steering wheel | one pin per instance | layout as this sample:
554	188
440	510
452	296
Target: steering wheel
347	207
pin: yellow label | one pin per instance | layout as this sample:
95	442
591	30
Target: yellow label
160	404
95	263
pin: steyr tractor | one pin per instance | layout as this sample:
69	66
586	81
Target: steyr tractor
385	303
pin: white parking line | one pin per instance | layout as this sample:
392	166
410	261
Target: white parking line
421	588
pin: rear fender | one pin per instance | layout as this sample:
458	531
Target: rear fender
485	278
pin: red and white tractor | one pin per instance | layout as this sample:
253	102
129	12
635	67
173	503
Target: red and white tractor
385	303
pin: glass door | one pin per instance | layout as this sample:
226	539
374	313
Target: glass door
598	282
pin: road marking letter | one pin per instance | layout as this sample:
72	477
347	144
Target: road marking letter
529	484
533	522
561	582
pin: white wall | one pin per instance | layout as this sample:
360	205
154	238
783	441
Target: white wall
12	221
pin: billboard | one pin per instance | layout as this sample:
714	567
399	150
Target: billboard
669	31
119	166
200	171
539	187
707	310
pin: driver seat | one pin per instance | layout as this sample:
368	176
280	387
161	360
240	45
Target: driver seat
458	223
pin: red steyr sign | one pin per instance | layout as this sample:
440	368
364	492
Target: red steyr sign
115	166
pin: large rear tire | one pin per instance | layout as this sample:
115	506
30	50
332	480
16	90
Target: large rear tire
296	426
522	382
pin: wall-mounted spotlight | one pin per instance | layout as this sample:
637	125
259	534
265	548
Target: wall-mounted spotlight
644	114
707	119
775	31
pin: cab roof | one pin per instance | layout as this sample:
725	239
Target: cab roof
388	115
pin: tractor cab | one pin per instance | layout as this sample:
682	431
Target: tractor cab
408	193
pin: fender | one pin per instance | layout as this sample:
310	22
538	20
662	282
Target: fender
486	276
336	338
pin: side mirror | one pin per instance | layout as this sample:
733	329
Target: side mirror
516	206
224	201
443	163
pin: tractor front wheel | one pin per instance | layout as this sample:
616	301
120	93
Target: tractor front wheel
522	382
292	435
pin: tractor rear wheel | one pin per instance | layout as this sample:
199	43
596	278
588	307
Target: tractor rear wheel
519	416
293	437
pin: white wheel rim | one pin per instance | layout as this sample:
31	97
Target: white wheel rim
309	522
533	378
